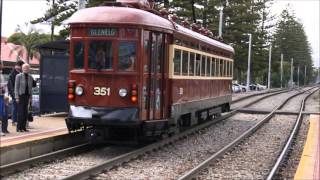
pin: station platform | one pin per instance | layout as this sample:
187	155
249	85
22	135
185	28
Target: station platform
309	166
47	133
42	127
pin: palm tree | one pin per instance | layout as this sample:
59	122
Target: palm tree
27	41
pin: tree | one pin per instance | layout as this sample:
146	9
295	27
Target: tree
27	42
61	10
290	40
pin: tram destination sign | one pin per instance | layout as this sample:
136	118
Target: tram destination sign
102	32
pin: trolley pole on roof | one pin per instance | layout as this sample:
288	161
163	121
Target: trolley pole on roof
249	61
269	70
281	68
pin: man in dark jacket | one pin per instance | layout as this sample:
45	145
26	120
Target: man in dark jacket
11	84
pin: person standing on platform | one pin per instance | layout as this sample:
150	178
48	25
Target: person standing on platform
11	83
23	95
4	125
2	92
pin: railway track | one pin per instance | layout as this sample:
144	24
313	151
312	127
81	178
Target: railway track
252	154
131	155
118	162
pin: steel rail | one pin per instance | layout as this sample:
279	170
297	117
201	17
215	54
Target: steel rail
257	94
20	165
8	169
293	133
117	161
193	172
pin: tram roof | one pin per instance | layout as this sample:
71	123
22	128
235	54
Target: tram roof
132	16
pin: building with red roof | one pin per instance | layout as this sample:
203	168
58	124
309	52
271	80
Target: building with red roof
9	55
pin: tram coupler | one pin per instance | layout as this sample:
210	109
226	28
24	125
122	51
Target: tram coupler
96	136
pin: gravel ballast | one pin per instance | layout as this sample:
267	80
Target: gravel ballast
254	157
60	169
172	161
289	167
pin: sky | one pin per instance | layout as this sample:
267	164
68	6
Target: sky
18	12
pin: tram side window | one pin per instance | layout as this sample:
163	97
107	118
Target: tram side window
203	65
213	67
100	55
232	69
208	66
177	62
191	64
127	56
221	67
78	55
198	56
185	59
217	67
227	69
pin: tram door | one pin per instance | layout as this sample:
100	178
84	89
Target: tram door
153	76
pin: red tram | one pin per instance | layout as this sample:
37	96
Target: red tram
131	68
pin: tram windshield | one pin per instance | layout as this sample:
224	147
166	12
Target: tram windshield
127	56
100	55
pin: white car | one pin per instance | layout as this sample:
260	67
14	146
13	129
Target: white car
236	88
261	87
242	87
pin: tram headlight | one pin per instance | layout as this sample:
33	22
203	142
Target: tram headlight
123	92
79	90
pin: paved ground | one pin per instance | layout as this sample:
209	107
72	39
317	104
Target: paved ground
40	124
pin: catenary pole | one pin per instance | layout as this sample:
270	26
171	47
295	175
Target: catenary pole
298	75
249	61
281	69
305	75
291	76
269	70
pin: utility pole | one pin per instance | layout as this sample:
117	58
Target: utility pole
269	70
298	75
52	23
220	21
81	4
0	21
305	75
249	61
281	68
291	76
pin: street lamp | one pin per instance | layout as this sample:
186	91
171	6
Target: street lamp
249	61
220	9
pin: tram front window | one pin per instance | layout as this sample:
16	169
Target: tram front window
78	55
100	55
127	56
